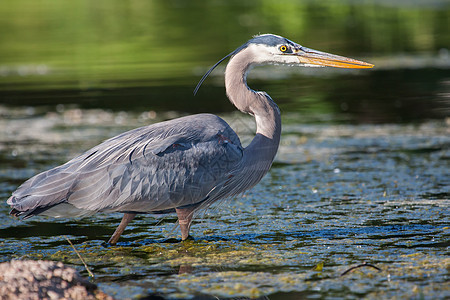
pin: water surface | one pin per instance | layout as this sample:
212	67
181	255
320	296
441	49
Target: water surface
337	195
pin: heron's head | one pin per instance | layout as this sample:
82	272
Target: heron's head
275	49
270	48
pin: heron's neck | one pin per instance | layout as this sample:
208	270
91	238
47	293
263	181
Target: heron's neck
258	104
267	115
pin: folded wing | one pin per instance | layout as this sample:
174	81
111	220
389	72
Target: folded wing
149	169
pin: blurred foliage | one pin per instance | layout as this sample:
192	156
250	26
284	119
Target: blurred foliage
92	47
157	40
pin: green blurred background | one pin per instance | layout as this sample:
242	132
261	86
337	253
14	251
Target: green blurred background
149	55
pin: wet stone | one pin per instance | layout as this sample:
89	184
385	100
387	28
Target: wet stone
28	279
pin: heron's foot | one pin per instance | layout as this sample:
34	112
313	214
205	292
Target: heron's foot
188	238
127	217
184	219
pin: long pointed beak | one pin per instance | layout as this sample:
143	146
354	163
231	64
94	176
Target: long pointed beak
319	58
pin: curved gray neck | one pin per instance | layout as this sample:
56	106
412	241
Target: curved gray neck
258	104
261	151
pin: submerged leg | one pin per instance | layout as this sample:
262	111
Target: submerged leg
127	217
185	218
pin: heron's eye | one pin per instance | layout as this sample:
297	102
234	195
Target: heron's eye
283	48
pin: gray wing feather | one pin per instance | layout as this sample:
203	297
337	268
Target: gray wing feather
151	168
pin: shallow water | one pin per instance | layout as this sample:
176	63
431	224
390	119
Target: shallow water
337	195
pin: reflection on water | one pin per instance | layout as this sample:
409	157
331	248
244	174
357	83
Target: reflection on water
384	96
337	194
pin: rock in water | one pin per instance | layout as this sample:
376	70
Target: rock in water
29	279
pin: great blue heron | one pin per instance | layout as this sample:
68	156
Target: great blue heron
180	165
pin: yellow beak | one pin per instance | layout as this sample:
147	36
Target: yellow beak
319	58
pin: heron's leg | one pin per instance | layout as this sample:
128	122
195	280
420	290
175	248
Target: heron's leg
127	217
185	218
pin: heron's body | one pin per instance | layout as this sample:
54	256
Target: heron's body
179	165
148	169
